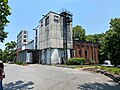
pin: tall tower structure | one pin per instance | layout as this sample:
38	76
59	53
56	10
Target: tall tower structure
54	37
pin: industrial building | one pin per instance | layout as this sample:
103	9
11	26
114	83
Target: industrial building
22	39
26	52
53	40
54	37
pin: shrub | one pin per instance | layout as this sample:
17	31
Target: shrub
19	62
24	63
6	61
75	61
91	62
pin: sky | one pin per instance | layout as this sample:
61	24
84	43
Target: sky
93	15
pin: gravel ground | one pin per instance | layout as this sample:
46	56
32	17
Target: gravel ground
43	77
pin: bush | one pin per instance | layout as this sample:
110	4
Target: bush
75	61
24	63
19	62
91	62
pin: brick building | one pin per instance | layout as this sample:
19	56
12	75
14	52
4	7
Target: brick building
87	50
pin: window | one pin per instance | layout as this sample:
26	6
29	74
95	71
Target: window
24	40
80	53
24	36
55	16
56	20
41	23
78	44
82	45
36	32
46	21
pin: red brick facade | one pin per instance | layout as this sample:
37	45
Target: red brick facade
87	50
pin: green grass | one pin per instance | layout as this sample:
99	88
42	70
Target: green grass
80	66
113	70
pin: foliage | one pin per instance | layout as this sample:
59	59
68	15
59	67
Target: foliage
111	69
96	38
79	33
75	61
99	40
1	52
20	63
91	61
10	45
112	41
4	12
9	53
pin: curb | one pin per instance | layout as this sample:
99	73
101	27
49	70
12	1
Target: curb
114	77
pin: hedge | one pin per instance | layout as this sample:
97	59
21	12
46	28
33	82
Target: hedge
75	61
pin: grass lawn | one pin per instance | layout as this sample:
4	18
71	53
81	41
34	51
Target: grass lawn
112	70
78	66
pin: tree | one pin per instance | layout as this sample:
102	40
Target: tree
112	41
4	12
9	53
1	52
90	38
99	40
79	33
10	45
103	53
96	38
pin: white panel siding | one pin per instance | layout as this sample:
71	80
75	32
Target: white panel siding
54	56
48	56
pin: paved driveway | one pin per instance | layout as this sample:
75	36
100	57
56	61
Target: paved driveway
42	77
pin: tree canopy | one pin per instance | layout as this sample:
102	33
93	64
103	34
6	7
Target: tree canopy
1	52
109	42
4	12
112	41
9	53
97	38
79	33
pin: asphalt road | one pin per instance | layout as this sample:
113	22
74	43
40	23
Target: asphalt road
42	77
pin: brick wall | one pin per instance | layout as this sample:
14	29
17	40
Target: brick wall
87	50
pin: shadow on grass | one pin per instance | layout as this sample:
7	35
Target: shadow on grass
98	86
19	85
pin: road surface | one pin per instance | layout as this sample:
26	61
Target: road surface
43	77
